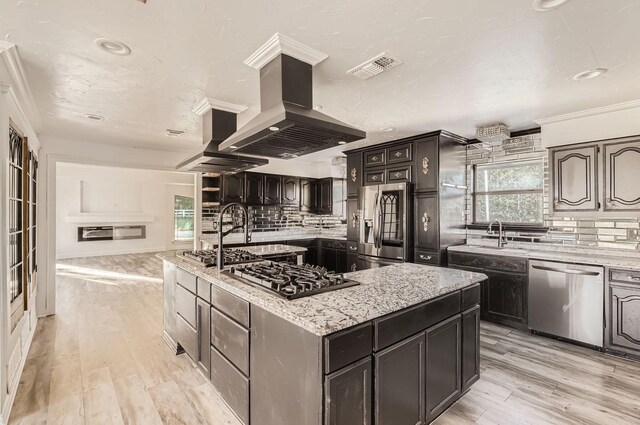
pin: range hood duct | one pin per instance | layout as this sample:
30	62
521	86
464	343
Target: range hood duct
217	125
288	126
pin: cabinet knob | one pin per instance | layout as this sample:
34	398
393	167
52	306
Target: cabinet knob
353	248
425	257
354	174
425	222
354	267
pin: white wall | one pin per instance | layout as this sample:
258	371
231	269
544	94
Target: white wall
110	194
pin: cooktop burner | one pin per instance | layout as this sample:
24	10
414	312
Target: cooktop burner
291	281
207	257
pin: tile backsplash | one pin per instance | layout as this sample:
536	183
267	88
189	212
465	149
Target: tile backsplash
589	232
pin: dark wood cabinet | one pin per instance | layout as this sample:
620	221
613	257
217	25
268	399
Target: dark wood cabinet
233	188
426	226
400	383
254	188
325	195
427	162
354	173
506	295
272	189
333	255
443	365
353	220
374	177
308	195
400	153
352	262
621	160
290	190
374	158
348	395
574	178
470	347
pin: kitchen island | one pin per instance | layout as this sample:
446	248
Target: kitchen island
399	348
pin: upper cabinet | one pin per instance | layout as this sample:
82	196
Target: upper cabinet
575	173
325	195
272	189
427	164
308	195
596	177
290	190
621	166
233	188
354	173
254	189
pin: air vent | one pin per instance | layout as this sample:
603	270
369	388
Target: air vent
374	66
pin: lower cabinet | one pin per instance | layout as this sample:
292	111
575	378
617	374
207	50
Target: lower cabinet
352	262
443	365
203	325
334	256
348	395
232	385
623	312
400	383
470	347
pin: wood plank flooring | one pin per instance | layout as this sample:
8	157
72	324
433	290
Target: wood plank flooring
101	360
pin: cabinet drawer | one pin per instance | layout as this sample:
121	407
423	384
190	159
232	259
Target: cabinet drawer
186	305
470	296
400	153
187	337
204	290
230	339
397	326
352	247
232	385
348	346
229	304
399	174
501	263
186	280
372	159
333	244
374	177
625	276
427	257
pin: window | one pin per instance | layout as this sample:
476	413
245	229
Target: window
183	218
510	192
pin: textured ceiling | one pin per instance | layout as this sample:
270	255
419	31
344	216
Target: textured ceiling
465	62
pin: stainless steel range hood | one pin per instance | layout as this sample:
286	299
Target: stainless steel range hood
217	125
288	126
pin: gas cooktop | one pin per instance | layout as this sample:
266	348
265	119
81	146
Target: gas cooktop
207	257
291	281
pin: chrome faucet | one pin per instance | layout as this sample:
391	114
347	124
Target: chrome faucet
221	234
502	238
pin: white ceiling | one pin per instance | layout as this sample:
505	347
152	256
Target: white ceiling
465	62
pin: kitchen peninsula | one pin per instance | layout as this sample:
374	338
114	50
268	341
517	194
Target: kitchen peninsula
398	348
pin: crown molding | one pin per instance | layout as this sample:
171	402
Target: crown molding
278	44
208	104
590	112
19	82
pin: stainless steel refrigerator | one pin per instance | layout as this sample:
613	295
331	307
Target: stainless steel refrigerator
385	225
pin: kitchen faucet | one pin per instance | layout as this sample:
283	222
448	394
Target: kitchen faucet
502	239
221	234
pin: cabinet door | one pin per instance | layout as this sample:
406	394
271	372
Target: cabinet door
624	320
443	368
354	173
329	259
272	189
254	189
400	383
470	347
506	296
326	196
374	158
353	220
203	328
575	179
426	221
427	164
621	160
348	395
342	265
311	256
290	190
233	188
308	195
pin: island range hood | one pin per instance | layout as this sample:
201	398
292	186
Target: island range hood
217	125
288	126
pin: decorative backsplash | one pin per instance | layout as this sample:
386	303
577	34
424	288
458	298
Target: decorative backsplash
608	233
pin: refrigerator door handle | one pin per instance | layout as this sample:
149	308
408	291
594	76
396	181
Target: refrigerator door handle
379	220
375	221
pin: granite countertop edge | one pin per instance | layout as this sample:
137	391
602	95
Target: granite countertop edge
330	312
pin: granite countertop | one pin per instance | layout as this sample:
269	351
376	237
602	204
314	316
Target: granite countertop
566	255
274	249
257	237
381	291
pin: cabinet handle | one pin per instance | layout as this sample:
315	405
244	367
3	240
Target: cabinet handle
354	174
425	165
425	222
425	257
636	278
398	154
353	248
354	267
374	178
374	158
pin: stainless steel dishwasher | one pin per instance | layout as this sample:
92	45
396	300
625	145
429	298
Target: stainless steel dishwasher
567	300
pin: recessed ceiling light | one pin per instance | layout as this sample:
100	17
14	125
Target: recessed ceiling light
233	147
589	74
113	46
547	5
317	107
274	128
342	142
387	129
94	117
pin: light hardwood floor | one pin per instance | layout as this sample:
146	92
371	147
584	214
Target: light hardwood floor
101	360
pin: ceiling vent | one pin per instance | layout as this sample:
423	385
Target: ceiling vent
374	66
493	134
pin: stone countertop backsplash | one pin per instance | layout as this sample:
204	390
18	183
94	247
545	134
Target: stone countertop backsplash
381	291
629	260
283	235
